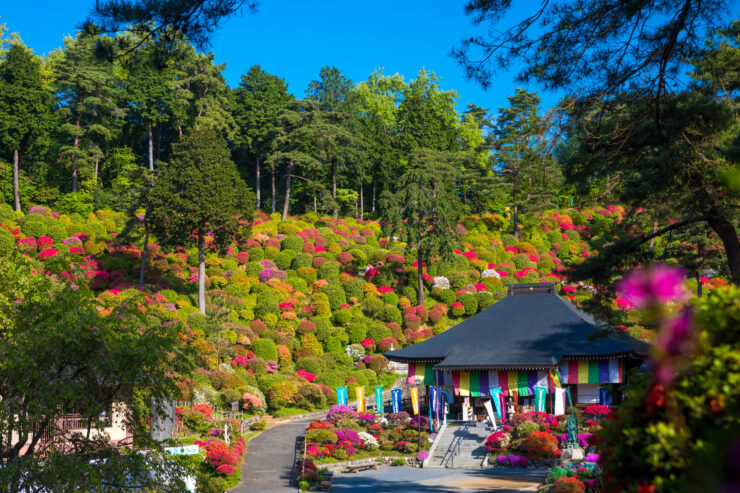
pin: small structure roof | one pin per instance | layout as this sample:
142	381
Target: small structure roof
530	328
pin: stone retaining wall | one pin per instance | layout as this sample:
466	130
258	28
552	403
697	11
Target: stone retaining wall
337	467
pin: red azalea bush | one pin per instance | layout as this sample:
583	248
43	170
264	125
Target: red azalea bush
568	484
458	309
497	441
205	410
541	445
597	410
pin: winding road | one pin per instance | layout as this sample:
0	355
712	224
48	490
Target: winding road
269	459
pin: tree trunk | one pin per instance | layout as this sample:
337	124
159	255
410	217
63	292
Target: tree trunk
315	209
286	204
420	277
151	147
652	241
144	251
74	156
16	184
700	254
201	272
726	232
334	188
257	185
97	165
272	171
362	203
375	185
516	209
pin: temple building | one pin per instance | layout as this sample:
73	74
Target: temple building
532	338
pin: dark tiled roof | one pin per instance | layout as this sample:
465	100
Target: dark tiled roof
522	330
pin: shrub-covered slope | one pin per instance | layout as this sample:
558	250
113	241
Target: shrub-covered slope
301	306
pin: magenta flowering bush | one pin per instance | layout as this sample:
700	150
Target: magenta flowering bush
659	283
47	253
367	418
347	435
339	411
271	273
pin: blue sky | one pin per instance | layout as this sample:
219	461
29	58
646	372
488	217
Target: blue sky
295	38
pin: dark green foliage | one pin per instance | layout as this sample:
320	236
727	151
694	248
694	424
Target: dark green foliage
355	288
447	296
25	104
265	349
294	243
310	364
378	331
470	302
34	225
7	241
485	299
323	328
390	314
266	303
285	259
357	331
302	260
335	294
329	271
342	317
390	298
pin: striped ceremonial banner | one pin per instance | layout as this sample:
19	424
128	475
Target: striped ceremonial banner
484	384
428	374
513	380
412	374
522	382
563	374
465	383
592	371
475	384
492	381
531	381
456	382
542	379
573	372
503	381
447	379
615	371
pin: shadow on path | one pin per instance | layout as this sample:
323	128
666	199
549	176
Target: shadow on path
410	480
269	460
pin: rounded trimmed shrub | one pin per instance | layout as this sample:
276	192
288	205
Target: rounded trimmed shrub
265	349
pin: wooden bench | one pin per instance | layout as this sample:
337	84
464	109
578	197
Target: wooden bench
366	467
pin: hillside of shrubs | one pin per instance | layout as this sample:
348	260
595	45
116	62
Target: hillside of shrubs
298	307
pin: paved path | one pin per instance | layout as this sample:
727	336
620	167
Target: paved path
412	480
269	460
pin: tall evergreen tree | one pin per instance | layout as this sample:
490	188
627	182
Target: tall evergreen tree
25	107
256	104
528	173
331	90
423	211
199	195
378	103
87	95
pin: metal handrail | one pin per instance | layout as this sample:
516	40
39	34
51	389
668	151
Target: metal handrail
454	447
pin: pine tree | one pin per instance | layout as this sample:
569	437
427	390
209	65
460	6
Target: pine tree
25	107
199	195
423	211
256	104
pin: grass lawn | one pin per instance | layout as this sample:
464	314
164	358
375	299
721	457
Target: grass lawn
289	411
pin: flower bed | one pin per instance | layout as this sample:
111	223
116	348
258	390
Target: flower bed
344	434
